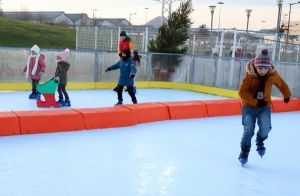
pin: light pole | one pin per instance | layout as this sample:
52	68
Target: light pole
94	17
166	8
131	14
279	3
212	10
146	10
220	3
248	13
288	27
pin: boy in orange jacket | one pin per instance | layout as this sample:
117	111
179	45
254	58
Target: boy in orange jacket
255	92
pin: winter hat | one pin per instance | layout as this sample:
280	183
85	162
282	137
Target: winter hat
126	54
123	34
263	59
35	49
63	55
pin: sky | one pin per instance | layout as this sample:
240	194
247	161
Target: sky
232	15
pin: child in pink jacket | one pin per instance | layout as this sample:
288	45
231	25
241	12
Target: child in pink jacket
34	69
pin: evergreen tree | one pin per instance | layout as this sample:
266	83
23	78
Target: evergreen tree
172	37
173	34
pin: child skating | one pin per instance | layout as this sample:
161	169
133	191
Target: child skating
34	69
127	74
255	92
126	43
61	76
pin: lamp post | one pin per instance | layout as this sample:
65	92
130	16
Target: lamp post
279	3
131	14
146	10
288	27
94	17
248	13
220	3
212	10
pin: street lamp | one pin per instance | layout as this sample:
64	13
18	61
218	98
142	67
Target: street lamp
212	10
146	10
220	3
288	27
248	13
279	3
131	14
94	16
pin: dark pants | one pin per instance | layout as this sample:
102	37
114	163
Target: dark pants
34	84
130	92
62	92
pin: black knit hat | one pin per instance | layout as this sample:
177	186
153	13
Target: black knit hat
123	33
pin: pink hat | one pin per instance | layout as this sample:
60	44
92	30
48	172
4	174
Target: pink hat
63	55
263	59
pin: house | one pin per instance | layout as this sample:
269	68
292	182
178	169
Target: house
112	22
46	17
80	19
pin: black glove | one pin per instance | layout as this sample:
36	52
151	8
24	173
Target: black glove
286	100
120	54
261	103
108	69
132	76
56	79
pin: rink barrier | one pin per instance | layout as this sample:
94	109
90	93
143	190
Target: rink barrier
9	124
99	118
47	121
186	109
26	86
148	112
60	120
225	107
280	106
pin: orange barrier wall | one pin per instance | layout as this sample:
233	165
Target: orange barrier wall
95	118
45	121
186	109
149	112
9	124
280	106
50	121
225	107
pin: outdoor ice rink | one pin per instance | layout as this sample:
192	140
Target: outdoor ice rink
194	157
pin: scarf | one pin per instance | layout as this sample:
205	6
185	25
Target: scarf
34	67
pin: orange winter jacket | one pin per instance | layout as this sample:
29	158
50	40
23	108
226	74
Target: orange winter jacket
250	83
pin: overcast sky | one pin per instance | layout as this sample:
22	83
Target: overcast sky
232	12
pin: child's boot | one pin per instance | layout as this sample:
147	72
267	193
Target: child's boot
61	101
243	157
67	103
261	148
119	103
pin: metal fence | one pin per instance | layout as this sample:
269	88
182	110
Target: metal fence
89	66
231	43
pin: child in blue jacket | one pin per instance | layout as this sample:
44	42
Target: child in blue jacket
127	73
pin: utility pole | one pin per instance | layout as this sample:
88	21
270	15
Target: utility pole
166	9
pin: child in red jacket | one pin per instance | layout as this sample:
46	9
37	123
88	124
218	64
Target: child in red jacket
34	69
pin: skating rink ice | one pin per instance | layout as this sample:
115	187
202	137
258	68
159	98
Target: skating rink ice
194	157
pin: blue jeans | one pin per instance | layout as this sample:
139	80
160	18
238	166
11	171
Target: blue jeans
249	116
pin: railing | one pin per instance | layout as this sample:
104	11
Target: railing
89	66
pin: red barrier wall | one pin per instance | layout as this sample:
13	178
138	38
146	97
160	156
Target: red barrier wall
45	121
